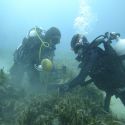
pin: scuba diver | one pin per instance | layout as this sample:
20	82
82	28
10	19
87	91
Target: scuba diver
104	66
37	46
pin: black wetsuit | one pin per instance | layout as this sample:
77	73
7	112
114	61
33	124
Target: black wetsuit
104	67
26	56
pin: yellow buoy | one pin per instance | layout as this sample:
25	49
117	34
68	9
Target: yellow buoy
46	64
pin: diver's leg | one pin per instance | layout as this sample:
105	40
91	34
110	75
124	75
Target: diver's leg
17	73
107	101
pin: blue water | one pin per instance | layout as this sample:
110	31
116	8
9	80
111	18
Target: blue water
96	17
18	16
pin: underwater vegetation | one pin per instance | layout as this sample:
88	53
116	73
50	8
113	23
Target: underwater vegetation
82	107
3	77
8	99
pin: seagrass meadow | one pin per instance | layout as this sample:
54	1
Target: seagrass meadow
82	106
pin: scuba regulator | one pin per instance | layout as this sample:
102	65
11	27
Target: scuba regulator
108	37
112	35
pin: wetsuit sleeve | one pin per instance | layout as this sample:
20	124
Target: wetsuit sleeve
87	64
79	80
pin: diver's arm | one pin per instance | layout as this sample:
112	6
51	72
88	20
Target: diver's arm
79	80
87	64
